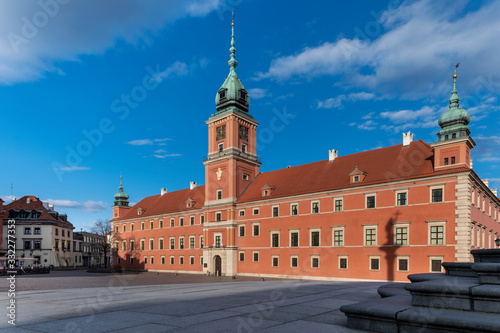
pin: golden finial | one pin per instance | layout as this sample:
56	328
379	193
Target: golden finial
232	23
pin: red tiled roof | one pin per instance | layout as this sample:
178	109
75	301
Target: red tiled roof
34	204
168	203
380	165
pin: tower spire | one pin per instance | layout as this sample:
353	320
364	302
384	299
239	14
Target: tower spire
121	198
232	61
454	96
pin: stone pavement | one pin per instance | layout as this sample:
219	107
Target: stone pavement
248	306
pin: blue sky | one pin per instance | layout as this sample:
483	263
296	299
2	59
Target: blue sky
79	106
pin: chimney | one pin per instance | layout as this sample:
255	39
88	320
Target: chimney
407	138
192	185
495	192
486	182
332	154
163	191
471	163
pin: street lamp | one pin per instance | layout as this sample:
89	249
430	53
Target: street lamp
497	241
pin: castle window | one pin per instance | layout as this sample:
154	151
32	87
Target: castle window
454	135
244	148
294	239
403	264
217	241
218	217
243	94
275	261
453	160
374	263
219	194
222	94
342	262
192	220
402	199
294	209
370	201
446	137
276	210
242	256
356	179
255	256
370	235
242	231
338	236
446	161
245	176
256	230
437	195
256	211
338	205
315	262
275	239
315	207
242	212
315	238
221	147
294	261
172	223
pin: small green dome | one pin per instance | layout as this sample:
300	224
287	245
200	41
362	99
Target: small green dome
121	198
454	122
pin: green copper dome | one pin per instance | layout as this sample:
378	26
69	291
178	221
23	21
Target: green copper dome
121	198
454	121
232	93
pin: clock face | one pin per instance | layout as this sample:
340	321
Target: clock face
221	132
244	133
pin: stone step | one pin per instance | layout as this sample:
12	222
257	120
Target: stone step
393	289
396	314
486	255
488	273
459	269
458	293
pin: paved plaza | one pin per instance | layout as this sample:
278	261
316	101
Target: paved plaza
77	301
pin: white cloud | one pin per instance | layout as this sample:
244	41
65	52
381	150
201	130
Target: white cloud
487	148
166	155
73	168
35	37
336	102
142	142
368	125
176	69
88	206
412	55
257	93
148	142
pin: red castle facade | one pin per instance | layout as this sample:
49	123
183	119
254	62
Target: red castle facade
377	215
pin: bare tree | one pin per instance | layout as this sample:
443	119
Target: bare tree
105	238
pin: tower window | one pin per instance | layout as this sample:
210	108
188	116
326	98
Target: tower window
244	148
453	160
219	194
243	94
446	161
454	135
221	147
245	176
446	137
222	94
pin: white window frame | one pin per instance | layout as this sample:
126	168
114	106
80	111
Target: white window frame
370	226
275	232
432	224
219	234
253	256
401	225
162	258
290	232
404	258
338	228
219	191
291	261
370	263
272	210
151	240
396	197
374	194
172	260
291	210
431	258
311	230
436	187
315	256
341	199
253	229
191	260
218	214
272	260
312	205
192	238
240	212
346	257
239	256
256	209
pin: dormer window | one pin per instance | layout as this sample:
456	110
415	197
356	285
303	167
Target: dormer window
243	95
357	176
222	94
267	190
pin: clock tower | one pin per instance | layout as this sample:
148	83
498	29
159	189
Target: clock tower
230	166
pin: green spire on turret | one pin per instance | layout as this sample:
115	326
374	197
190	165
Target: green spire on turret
454	121
232	95
121	198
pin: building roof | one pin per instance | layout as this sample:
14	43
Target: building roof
167	203
30	203
380	165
